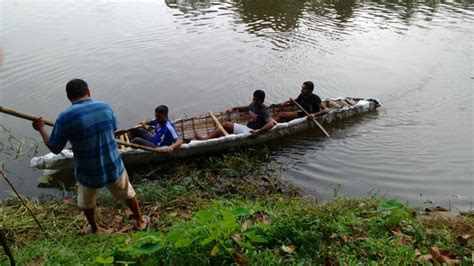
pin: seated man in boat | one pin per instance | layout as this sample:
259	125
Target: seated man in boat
308	100
165	132
259	119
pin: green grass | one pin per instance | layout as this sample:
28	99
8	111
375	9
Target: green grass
233	209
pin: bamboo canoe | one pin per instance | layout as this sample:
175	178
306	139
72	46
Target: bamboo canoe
341	108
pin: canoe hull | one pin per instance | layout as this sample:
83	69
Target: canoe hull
197	148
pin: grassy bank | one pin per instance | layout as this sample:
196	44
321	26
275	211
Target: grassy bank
235	209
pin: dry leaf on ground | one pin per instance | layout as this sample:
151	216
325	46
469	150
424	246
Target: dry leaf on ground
36	262
262	218
128	212
246	226
289	248
237	238
126	228
401	237
241	260
68	201
443	256
186	215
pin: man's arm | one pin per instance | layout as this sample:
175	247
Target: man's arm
322	110
146	122
239	109
39	126
174	146
266	127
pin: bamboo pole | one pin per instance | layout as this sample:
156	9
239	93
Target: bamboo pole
123	131
31	117
23	201
23	115
218	124
310	117
127	138
139	147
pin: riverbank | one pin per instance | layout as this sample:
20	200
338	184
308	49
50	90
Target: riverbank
235	209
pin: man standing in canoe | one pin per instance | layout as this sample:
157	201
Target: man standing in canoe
308	100
165	132
259	119
89	126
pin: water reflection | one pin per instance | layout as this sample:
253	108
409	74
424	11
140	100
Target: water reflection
271	16
281	21
186	6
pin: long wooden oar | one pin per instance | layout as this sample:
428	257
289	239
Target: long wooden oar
312	118
123	131
31	117
23	115
218	124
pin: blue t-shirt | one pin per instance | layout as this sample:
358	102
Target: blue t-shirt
165	133
89	126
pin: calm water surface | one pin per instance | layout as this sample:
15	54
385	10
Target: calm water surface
196	56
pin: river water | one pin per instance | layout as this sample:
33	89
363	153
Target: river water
196	56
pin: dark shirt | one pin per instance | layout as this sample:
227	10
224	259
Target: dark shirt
311	105
257	117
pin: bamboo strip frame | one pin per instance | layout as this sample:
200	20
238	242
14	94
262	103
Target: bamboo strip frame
182	129
218	124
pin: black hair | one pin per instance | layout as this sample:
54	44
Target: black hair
76	88
161	109
309	85
259	94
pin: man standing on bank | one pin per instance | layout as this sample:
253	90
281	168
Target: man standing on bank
308	100
89	126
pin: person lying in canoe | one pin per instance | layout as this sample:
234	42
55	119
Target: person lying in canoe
165	132
308	100
259	119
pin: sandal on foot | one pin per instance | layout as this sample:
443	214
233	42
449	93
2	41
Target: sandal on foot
147	223
87	230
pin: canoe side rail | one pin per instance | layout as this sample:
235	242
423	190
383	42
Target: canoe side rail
204	124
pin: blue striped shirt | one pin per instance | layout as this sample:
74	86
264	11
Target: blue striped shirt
89	126
165	133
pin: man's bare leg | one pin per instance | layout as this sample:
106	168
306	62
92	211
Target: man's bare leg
134	206
90	215
227	125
